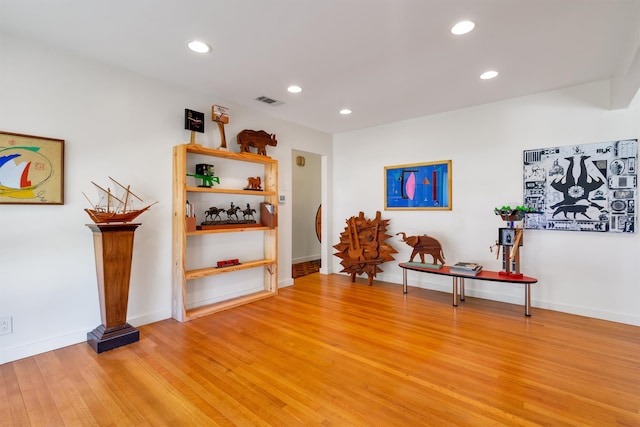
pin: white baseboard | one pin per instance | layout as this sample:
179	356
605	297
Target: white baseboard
75	337
286	282
145	319
628	319
298	260
31	349
518	298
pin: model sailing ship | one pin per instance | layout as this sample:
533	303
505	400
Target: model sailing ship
121	205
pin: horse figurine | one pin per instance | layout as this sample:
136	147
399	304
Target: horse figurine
213	213
233	211
248	213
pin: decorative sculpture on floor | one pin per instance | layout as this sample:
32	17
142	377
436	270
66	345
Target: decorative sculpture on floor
256	138
423	245
362	247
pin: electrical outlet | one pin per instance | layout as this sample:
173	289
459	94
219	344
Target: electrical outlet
5	325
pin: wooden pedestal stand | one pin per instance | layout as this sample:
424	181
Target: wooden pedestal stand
113	244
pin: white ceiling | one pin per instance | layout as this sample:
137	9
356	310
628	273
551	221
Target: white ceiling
387	60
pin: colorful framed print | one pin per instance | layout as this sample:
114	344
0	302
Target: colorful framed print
425	186
31	169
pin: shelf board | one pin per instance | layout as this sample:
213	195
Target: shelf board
245	157
229	191
211	271
223	229
227	304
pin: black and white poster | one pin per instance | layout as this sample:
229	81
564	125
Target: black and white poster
590	187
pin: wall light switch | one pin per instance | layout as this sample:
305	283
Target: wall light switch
282	198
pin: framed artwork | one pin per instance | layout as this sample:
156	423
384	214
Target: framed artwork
425	186
588	187
220	114
31	169
507	237
193	120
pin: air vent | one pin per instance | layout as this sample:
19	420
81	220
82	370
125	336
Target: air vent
269	101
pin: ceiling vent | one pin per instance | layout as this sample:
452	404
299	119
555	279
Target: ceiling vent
269	101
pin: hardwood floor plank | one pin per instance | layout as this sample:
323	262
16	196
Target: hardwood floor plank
202	379
328	352
36	393
15	411
65	389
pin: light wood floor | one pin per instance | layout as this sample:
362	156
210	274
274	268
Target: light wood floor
327	352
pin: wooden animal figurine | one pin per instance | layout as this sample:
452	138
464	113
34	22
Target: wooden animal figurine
362	247
424	245
255	138
254	183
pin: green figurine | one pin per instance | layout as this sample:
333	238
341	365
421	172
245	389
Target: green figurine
207	180
205	173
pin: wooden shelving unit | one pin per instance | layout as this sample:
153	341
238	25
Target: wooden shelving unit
180	274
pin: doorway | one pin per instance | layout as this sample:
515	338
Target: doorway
306	174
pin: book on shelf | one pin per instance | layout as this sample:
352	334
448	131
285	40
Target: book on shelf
465	272
470	268
467	265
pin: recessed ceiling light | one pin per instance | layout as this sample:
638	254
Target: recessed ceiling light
488	75
345	111
199	47
462	28
294	89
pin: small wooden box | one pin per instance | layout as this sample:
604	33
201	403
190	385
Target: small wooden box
190	223
268	215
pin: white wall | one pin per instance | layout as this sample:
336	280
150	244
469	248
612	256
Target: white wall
115	123
307	197
579	272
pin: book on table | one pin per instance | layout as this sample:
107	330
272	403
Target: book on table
470	268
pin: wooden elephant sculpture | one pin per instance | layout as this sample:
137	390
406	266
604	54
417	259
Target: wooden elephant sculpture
424	245
256	138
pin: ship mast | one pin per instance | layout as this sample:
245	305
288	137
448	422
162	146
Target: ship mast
109	196
128	192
